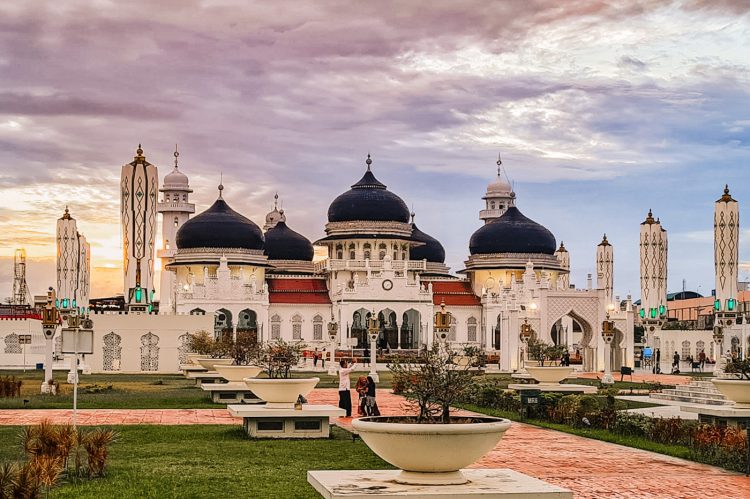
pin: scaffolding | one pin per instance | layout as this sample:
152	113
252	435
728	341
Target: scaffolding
21	295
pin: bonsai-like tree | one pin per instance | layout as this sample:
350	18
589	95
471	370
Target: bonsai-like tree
278	357
204	343
434	383
542	351
244	350
740	368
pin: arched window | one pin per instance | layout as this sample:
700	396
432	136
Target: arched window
367	250
149	352
176	221
367	254
471	328
352	255
685	349
452	333
699	347
339	252
275	327
492	205
317	328
296	327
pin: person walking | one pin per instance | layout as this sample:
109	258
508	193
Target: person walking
345	386
657	361
361	389
676	363
323	359
371	405
315	358
702	359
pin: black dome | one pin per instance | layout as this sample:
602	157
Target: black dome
368	200
432	251
512	233
282	243
220	227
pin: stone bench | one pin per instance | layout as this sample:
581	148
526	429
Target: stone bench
312	421
206	377
230	393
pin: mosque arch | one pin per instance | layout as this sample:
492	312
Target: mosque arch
247	320
359	326
410	329
735	346
471	329
222	323
497	333
388	337
183	348
580	342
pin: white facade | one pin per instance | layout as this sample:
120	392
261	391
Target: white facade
138	190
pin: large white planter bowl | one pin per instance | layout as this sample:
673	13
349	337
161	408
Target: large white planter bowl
737	390
211	364
281	393
549	375
237	373
430	453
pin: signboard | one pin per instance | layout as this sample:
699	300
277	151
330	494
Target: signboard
24	339
85	339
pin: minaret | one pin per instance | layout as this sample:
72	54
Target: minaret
68	254
175	209
563	257
605	262
653	245
138	188
274	216
84	271
499	196
726	257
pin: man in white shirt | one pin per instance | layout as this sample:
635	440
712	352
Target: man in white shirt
345	386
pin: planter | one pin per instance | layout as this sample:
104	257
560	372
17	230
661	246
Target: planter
737	390
211	364
430	454
551	375
237	373
281	393
192	358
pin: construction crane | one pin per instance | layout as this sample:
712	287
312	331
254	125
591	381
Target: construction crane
21	295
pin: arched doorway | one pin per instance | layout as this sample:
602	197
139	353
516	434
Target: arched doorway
574	331
247	324
359	327
497	333
410	329
388	338
222	323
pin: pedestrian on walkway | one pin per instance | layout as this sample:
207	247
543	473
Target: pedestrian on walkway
371	405
323	359
345	386
315	358
702	359
361	389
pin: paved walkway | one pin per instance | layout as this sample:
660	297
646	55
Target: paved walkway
642	377
592	469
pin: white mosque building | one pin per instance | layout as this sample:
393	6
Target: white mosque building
223	273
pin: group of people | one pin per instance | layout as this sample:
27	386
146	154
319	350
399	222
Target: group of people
365	388
676	361
319	356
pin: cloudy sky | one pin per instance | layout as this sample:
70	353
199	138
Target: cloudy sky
600	109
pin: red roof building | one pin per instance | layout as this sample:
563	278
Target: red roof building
304	291
454	293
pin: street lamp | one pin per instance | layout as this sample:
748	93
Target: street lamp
525	336
718	339
373	330
50	321
608	334
333	331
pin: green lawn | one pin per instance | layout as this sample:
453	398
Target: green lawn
210	461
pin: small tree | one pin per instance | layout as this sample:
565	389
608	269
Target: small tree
434	383
201	343
542	351
278	357
740	368
245	349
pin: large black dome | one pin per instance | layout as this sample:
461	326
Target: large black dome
282	243
512	233
220	227
368	200
432	250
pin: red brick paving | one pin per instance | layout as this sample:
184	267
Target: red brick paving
592	469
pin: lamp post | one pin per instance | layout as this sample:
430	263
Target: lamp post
373	330
333	330
608	334
50	321
524	336
718	337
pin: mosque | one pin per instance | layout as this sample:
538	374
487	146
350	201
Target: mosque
222	272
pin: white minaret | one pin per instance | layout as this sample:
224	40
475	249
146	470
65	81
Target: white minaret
499	196
653	244
68	254
138	188
605	262
563	257
84	271
726	257
176	210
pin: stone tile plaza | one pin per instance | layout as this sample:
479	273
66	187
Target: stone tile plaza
421	250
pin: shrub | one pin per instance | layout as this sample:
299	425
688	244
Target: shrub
278	357
10	386
541	351
725	447
740	368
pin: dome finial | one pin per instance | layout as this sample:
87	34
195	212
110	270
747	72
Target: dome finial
275	201
66	215
176	155
221	184
650	217
726	197
499	164
368	162
412	216
139	152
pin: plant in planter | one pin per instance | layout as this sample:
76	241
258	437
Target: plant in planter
212	352
244	353
279	390
432	446
736	383
542	352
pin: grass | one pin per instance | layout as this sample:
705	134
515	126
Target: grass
205	461
596	434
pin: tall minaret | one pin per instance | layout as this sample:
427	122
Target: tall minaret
726	255
563	257
653	244
68	254
138	187
84	271
176	210
499	196
605	262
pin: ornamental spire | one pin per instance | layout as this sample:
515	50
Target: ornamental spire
726	197
139	153
221	184
368	162
604	242
176	155
499	165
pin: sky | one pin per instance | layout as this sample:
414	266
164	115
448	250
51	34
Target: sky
600	110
